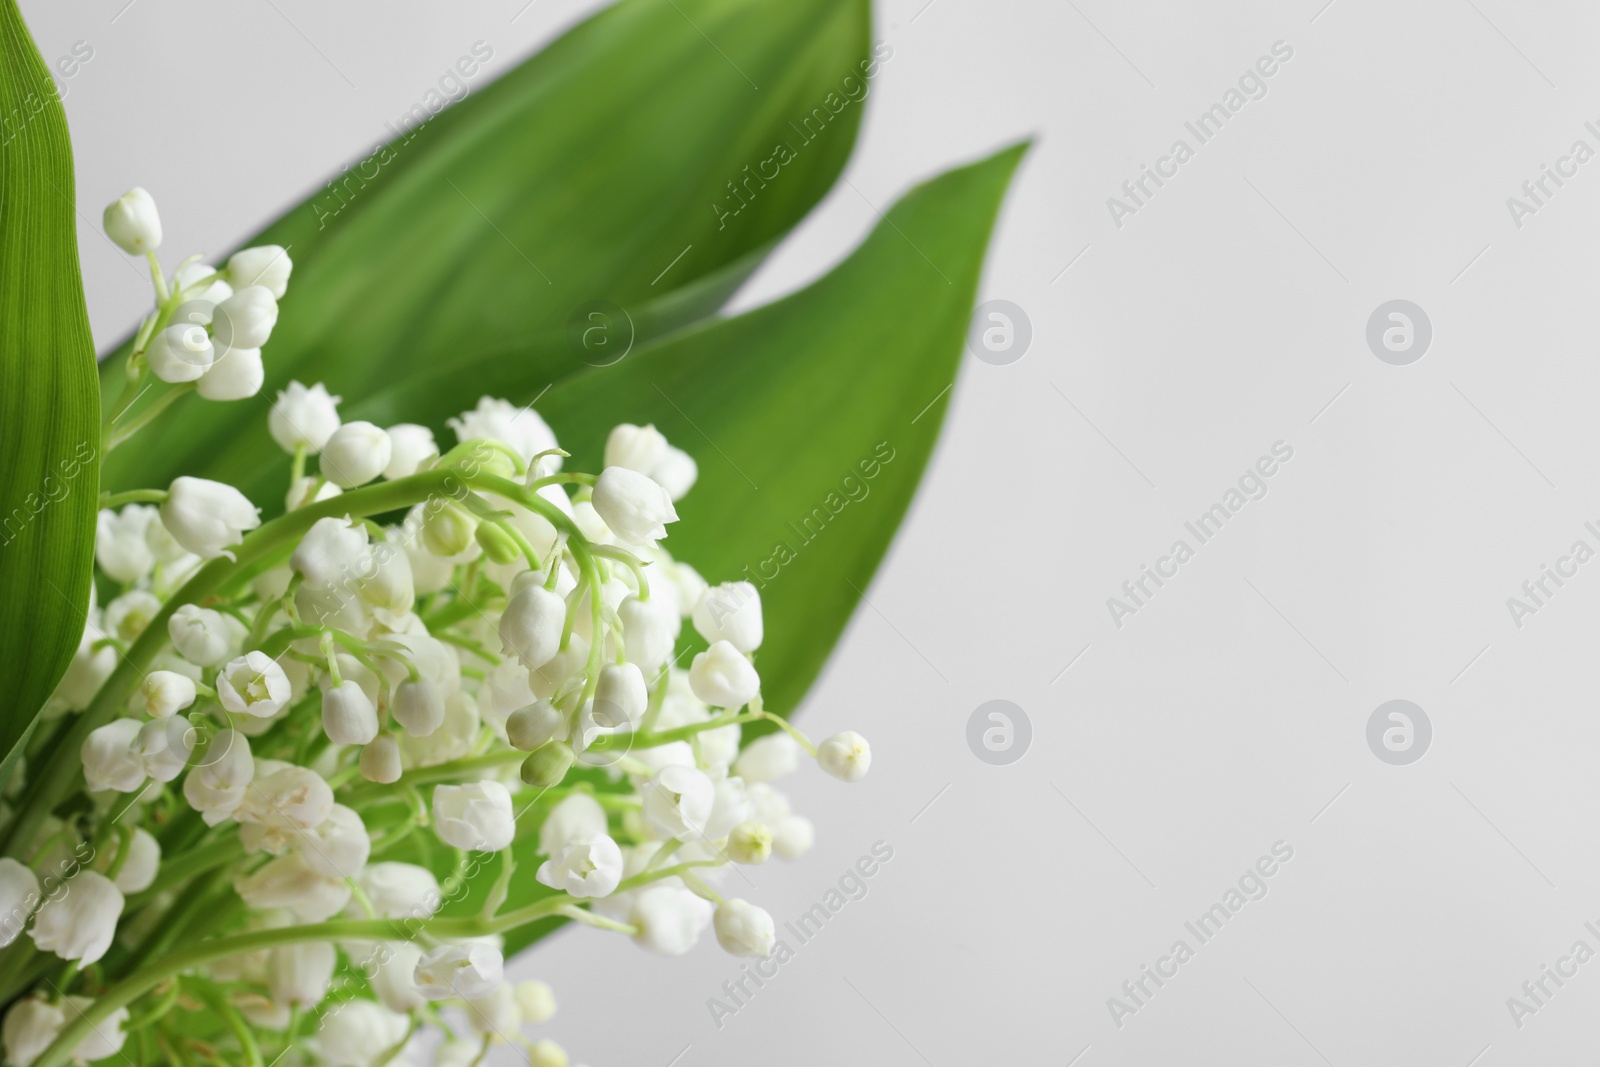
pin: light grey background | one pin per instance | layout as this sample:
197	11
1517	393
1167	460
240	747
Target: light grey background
1229	713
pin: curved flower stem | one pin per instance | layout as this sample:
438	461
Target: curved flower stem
118	432
133	496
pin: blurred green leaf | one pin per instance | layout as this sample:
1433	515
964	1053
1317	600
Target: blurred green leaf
49	400
587	174
812	420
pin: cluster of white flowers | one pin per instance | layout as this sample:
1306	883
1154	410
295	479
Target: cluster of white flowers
303	741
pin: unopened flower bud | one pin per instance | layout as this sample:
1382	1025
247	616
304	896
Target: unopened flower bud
744	929
333	552
245	319
669	918
536	1000
532	725
348	717
166	693
546	1053
547	765
531	625
723	678
110	760
299	973
418	707
750	843
410	446
793	836
620	696
131	221
380	760
180	353
207	517
448	529
264	265
845	755
649	628
235	375
355	454
638	448
303	416
730	612
497	544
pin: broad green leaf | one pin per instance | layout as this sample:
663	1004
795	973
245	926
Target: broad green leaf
601	169
49	393
812	420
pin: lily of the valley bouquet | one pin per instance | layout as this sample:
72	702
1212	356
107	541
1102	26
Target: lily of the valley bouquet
436	651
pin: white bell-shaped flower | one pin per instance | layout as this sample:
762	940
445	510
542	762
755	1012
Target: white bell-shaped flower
299	973
477	816
289	797
19	895
669	918
589	866
79	923
676	472
264	265
496	1017
730	612
530	627
401	890
357	1033
127	616
677	802
722	677
394	977
34	1023
245	319
355	454
466	969
348	717
766	759
514	425
410	446
235	375
649	629
536	1001
638	448
289	882
207	517
200	635
303	416
110	760
793	836
166	693
163	747
577	816
141	865
132	222
380	760
120	547
181	353
620	696
253	684
633	506
418	707
333	552
744	929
